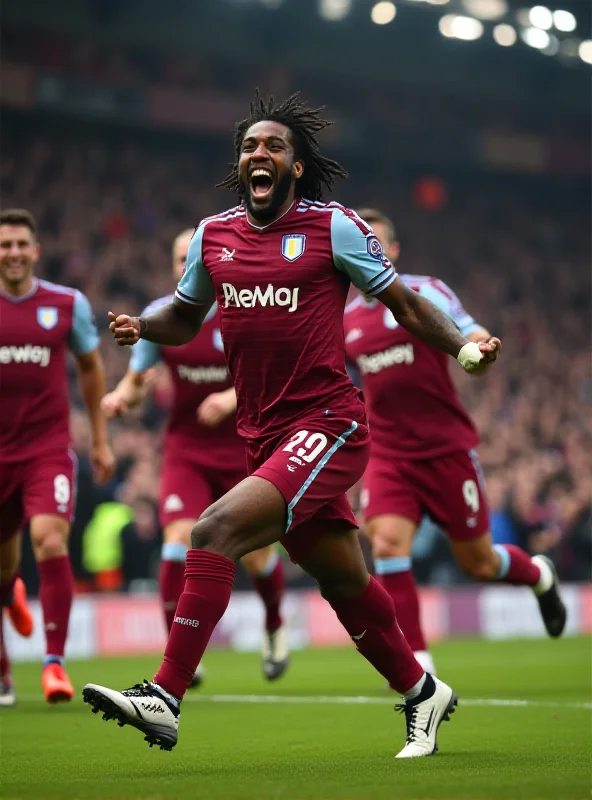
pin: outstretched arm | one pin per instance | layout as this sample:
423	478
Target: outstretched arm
178	322
426	321
174	324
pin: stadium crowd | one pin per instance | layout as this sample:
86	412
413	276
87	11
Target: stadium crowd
110	204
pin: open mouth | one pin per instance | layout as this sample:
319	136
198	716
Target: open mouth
261	182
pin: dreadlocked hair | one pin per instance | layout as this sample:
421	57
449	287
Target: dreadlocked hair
304	124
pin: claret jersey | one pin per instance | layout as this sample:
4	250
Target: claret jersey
413	407
281	289
36	331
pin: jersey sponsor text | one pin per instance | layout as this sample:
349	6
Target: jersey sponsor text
245	298
25	354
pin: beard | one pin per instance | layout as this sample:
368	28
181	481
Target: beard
278	197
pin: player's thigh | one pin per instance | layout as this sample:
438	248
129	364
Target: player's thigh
391	505
10	556
476	557
185	491
49	498
453	494
313	468
250	516
337	564
391	535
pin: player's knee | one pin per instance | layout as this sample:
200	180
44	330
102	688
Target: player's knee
389	547
216	532
481	569
50	542
343	586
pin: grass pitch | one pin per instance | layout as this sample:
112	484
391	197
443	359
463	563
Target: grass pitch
305	738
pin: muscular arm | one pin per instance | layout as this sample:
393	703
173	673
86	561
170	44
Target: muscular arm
422	318
175	324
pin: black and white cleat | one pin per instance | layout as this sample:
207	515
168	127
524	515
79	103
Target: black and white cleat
423	720
142	707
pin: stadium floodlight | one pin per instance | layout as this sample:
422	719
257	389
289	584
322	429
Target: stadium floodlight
585	51
486	9
564	21
466	28
541	17
445	26
334	10
505	35
383	13
438	2
535	37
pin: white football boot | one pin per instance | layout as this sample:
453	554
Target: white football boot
142	706
275	653
423	719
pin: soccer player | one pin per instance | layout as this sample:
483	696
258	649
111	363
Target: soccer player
39	322
203	458
423	457
279	266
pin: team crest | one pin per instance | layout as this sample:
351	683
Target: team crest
47	317
217	340
293	245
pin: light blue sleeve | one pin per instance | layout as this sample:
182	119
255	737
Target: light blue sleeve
196	285
146	354
443	297
84	337
358	253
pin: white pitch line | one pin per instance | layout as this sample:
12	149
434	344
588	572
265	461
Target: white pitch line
279	699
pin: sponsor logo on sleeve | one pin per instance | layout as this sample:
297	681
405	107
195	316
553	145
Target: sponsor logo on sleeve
374	248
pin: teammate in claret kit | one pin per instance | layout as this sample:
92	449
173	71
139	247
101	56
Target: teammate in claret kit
279	266
423	457
39	323
203	458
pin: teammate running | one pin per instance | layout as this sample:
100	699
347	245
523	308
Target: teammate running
423	458
279	267
203	458
39	322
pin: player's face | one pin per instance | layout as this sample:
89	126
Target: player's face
180	249
391	249
268	171
19	252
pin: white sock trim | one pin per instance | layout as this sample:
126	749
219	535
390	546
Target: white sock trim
412	693
547	577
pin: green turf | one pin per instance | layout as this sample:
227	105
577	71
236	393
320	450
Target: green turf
316	751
